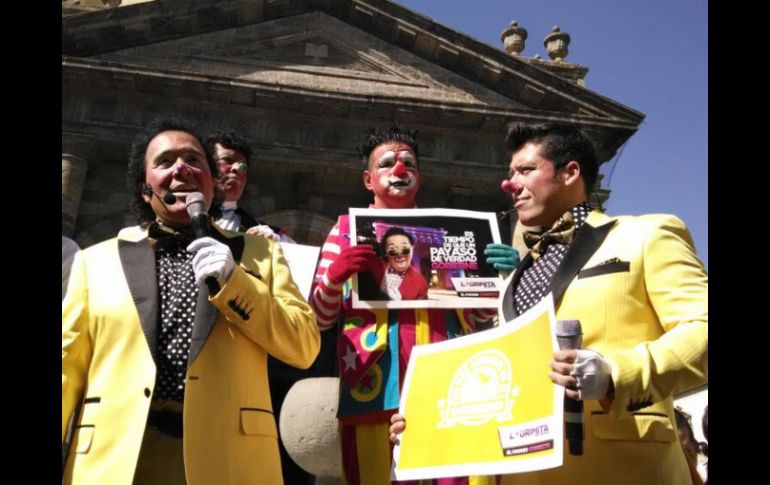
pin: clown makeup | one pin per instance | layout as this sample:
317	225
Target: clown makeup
399	252
393	176
232	172
395	171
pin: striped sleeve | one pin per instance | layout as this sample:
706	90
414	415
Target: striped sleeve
326	297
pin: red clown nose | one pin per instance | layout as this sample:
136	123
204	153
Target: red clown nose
507	186
399	170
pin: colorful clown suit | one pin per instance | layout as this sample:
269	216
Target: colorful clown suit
373	351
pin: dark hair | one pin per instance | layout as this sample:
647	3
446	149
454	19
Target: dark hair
689	443
560	143
395	231
136	176
705	422
683	422
393	134
231	140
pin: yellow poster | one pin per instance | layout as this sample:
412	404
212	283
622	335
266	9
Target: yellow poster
482	404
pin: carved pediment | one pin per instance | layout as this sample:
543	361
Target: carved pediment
312	50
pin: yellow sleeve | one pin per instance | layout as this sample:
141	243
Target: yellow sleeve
677	288
75	341
270	310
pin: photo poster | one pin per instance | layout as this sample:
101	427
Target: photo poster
447	267
483	404
301	260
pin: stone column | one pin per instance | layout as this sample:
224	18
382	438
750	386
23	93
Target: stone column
77	152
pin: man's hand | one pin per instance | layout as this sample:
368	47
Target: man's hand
502	257
354	259
585	374
212	259
397	425
264	231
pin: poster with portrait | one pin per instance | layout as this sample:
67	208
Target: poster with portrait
487	399
428	258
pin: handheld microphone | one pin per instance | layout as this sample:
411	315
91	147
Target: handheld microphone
569	335
196	207
167	199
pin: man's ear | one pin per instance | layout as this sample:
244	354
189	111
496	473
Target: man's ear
570	172
368	183
146	191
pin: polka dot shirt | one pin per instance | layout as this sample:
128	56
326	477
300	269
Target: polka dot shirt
536	280
178	295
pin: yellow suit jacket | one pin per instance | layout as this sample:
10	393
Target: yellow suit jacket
109	335
641	295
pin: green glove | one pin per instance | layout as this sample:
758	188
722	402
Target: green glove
502	257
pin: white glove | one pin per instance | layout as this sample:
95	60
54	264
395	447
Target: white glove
212	258
264	231
592	373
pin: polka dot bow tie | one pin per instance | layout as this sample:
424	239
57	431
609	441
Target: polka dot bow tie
562	232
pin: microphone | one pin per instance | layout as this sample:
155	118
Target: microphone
167	199
196	207
569	335
506	186
502	215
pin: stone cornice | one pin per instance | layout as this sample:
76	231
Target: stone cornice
246	93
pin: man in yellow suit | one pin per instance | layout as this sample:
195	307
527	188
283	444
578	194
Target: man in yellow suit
641	295
165	335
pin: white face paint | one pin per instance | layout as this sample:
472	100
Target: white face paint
393	176
395	172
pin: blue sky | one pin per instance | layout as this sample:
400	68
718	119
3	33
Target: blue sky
651	56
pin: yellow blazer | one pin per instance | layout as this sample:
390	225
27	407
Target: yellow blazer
109	335
641	295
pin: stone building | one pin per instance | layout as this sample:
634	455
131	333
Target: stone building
303	81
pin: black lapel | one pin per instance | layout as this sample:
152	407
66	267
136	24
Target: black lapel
587	241
138	260
525	263
236	242
205	313
247	221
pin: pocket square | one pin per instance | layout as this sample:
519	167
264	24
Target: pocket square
613	265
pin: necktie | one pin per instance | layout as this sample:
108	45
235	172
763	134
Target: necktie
562	232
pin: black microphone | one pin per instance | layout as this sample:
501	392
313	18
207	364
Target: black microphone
196	207
168	199
569	335
502	215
